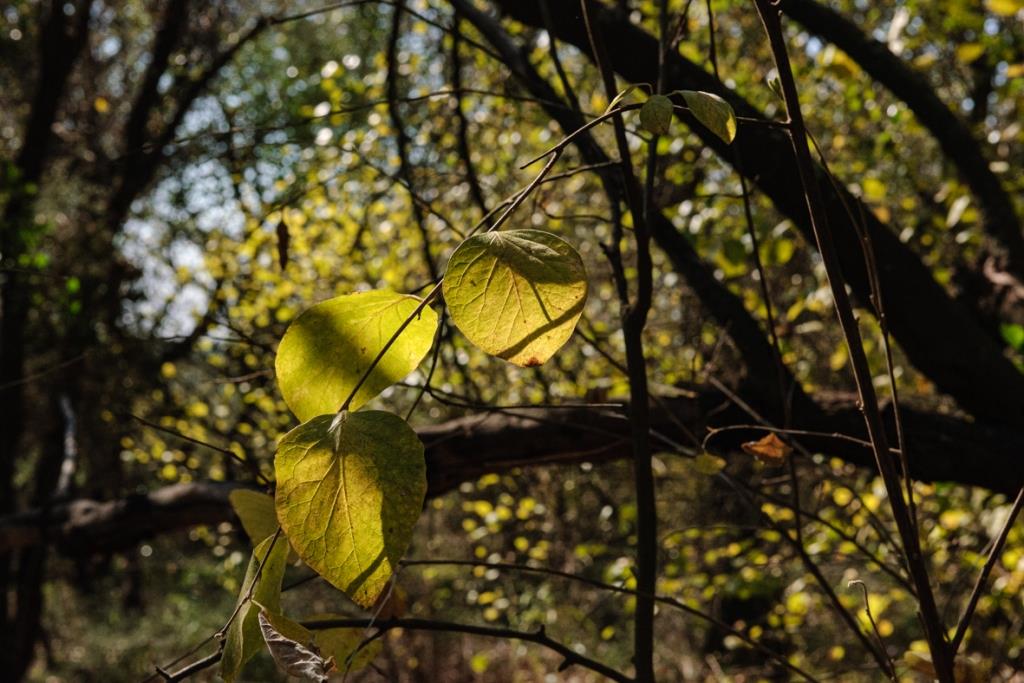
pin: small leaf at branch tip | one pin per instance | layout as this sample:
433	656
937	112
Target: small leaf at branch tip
656	115
619	98
771	450
712	111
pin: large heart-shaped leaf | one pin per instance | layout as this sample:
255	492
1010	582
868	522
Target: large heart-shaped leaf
243	638
516	294
327	349
348	499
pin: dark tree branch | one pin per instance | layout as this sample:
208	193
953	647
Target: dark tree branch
465	448
990	562
820	226
725	307
381	626
950	132
62	38
402	139
969	365
169	34
141	163
462	131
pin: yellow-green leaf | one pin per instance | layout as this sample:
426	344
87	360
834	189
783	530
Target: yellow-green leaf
708	464
969	52
348	500
327	349
656	115
1004	8
516	294
713	112
256	512
243	638
623	94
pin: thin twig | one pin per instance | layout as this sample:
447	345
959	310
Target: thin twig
990	562
662	599
891	671
931	621
251	465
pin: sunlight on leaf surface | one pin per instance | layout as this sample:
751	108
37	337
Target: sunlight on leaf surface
516	294
349	511
327	349
242	640
712	111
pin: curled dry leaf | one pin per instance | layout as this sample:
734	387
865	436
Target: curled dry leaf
771	450
293	648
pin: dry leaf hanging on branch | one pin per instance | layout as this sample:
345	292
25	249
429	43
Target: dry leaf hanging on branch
771	450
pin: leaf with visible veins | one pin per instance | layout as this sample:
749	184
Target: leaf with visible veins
327	349
516	294
348	500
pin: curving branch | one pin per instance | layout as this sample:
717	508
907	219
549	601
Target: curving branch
381	626
465	448
969	364
724	306
949	130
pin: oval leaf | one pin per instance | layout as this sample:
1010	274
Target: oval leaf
348	500
327	349
516	294
712	111
656	115
242	639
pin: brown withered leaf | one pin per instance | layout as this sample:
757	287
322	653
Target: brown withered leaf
283	240
293	648
770	449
